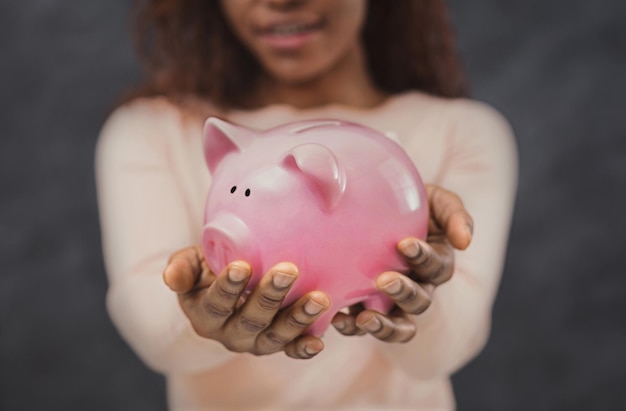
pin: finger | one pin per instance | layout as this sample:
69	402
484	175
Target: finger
459	229
304	347
292	322
449	214
429	262
410	296
346	324
206	276
209	310
183	270
397	327
261	306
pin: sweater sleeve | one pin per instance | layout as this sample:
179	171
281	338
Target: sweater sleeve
144	219
479	163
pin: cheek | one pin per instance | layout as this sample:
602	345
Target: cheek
349	16
236	14
344	31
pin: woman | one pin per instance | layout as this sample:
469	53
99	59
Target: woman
389	65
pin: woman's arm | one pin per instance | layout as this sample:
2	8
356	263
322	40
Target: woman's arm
148	221
144	219
480	165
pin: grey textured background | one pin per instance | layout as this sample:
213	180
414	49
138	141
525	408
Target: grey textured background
556	69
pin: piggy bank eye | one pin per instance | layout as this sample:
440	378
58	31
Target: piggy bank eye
232	190
248	192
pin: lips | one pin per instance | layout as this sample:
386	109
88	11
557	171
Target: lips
289	28
289	35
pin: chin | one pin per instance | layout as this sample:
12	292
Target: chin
297	76
295	80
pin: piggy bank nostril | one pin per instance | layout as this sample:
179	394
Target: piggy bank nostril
217	247
227	256
226	238
220	254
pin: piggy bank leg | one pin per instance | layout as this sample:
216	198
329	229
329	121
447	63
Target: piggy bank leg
378	302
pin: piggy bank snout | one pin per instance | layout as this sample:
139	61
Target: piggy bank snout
225	239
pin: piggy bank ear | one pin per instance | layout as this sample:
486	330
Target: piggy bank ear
321	170
222	138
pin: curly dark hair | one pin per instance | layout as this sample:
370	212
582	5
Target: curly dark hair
185	45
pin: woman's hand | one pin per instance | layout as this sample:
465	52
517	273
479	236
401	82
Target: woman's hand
431	262
219	308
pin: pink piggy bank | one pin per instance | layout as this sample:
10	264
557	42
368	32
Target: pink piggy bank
332	197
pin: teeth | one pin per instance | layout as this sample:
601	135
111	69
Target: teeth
289	29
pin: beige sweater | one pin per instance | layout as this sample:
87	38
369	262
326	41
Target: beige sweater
152	182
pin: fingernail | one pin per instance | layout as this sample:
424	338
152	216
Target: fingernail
166	278
393	287
310	350
282	280
167	272
373	325
469	228
237	274
312	307
410	249
340	325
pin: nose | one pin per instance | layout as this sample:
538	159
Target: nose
226	238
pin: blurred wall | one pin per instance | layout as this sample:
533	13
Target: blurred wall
556	69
